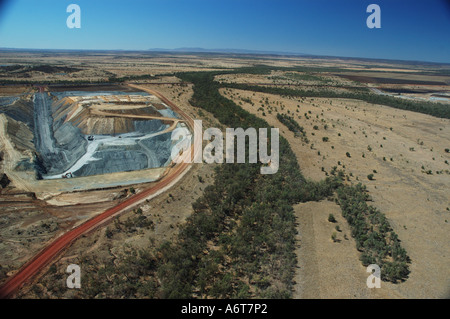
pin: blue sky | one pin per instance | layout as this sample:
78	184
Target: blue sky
410	29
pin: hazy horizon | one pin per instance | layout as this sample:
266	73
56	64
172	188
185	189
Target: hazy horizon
226	51
410	30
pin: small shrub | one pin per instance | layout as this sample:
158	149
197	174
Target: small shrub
334	237
331	218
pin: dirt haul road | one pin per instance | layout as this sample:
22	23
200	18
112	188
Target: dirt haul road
54	249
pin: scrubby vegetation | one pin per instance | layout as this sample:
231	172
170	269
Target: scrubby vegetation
430	108
331	218
375	239
242	232
240	240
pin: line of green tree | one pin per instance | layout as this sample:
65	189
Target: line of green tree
240	240
247	217
375	238
110	80
291	124
115	79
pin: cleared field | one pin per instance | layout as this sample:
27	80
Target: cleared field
396	78
390	80
329	269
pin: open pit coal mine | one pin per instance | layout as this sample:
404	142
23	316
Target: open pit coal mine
69	139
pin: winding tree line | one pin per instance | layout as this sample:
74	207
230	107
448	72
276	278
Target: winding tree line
240	240
245	221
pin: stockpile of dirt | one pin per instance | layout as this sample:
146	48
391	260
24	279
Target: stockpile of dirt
20	109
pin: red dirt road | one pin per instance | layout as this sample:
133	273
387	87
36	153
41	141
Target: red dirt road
49	253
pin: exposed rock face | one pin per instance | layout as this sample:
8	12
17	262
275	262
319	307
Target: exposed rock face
19	136
145	126
114	161
161	147
72	143
80	111
58	144
20	110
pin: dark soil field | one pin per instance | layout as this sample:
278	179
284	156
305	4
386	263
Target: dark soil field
381	80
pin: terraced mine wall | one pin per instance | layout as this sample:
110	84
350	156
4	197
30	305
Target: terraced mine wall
59	145
118	144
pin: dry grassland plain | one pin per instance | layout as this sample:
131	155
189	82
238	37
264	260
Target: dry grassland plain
416	203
